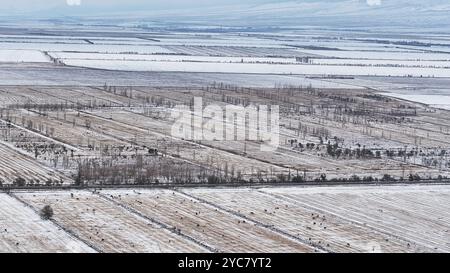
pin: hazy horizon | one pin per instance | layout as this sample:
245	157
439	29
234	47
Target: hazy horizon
40	5
343	13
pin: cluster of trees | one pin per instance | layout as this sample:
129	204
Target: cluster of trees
335	151
145	169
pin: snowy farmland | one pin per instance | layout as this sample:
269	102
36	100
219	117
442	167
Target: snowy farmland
169	58
361	162
437	101
23	56
22	230
264	68
232	53
293	219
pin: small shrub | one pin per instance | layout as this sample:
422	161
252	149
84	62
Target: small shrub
46	212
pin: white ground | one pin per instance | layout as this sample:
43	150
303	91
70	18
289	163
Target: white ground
381	55
23	56
87	48
168	58
364	62
417	215
22	230
288	219
438	101
283	69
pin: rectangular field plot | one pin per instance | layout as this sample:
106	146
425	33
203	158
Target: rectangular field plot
220	230
106	226
23	56
317	226
135	49
19	169
252	68
418	214
22	230
169	58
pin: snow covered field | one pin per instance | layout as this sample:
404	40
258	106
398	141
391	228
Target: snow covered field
106	226
412	56
16	167
363	219
225	53
65	56
23	56
438	101
22	230
138	49
291	219
281	69
27	75
93	106
417	214
363	62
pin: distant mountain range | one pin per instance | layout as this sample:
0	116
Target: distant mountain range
337	13
344	13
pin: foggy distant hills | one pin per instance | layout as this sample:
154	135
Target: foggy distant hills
337	13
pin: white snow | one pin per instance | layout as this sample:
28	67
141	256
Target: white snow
250	68
365	62
381	55
437	101
140	49
22	56
22	230
168	58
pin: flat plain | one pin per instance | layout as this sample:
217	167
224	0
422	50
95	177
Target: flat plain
362	162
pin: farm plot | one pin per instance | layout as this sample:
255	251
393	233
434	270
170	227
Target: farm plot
67	129
437	101
50	75
361	219
319	227
84	97
414	213
235	51
348	46
360	62
302	158
21	170
220	230
46	150
278	69
23	56
237	41
134	49
123	41
170	58
108	227
341	133
412	56
140	129
26	97
22	230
